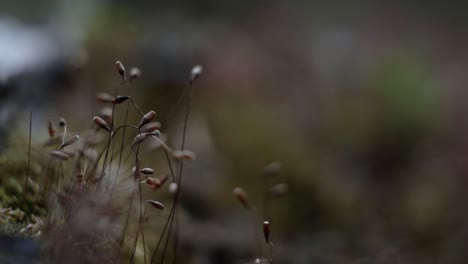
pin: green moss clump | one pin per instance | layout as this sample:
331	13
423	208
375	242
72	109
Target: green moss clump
12	194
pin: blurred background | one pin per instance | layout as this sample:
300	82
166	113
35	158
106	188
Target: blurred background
362	103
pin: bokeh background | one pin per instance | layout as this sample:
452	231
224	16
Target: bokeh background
362	102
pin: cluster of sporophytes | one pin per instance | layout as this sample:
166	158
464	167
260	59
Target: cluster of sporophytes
92	196
84	201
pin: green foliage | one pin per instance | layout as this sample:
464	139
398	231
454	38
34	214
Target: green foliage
12	192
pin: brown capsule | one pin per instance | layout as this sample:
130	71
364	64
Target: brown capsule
106	112
135	73
272	169
51	128
184	154
189	155
120	99
147	118
156	204
70	141
154	183
241	196
151	181
279	190
120	69
178	154
139	138
104	98
151	127
266	231
59	155
69	154
101	123
147	171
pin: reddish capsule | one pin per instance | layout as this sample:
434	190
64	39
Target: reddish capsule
69	154
120	69
120	99
279	190
153	183
106	114
189	155
150	181
139	138
104	98
266	231
147	171
272	169
151	127
51	129
241	196
101	123
70	141
156	204
59	155
184	154
147	118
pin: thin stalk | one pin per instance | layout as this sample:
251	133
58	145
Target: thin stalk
29	158
123	135
105	148
137	160
144	243
129	210
127	219
169	162
44	178
169	219
179	185
171	214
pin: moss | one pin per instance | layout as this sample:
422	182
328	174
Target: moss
12	175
